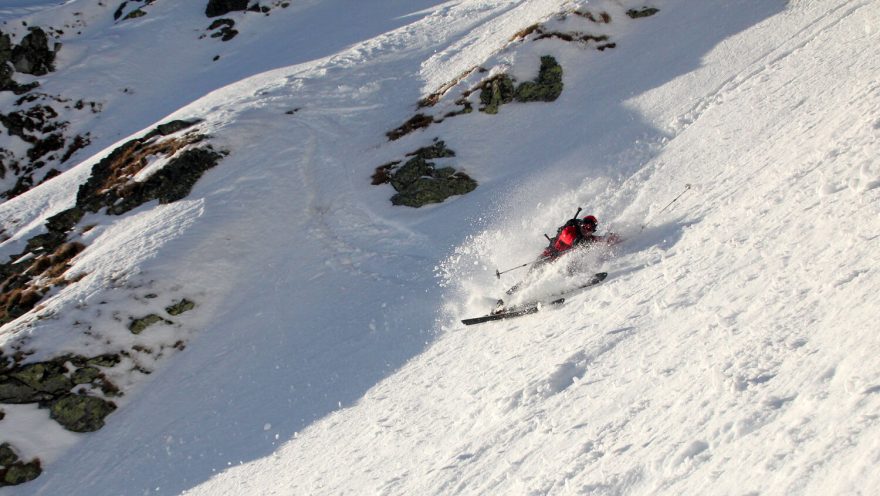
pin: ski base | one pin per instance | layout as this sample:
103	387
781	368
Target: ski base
509	314
530	308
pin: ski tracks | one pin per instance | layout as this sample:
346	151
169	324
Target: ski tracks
353	240
771	59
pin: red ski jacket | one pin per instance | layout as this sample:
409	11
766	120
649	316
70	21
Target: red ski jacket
568	238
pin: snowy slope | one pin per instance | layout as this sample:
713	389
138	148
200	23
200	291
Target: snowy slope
731	350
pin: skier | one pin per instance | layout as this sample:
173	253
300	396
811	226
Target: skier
573	234
576	232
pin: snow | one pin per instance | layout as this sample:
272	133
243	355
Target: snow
732	349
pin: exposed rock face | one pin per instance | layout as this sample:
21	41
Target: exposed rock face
9	54
46	377
107	186
138	326
48	381
218	8
33	55
224	29
545	88
436	186
110	187
12	470
419	182
180	307
643	12
5	54
496	92
79	413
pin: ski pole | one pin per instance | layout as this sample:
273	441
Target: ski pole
687	187
498	274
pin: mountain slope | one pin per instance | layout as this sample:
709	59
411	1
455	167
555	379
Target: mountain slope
730	350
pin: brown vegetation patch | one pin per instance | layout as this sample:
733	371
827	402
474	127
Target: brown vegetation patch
525	33
433	98
571	37
382	174
602	18
31	274
418	121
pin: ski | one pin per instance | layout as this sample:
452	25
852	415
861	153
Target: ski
534	307
519	311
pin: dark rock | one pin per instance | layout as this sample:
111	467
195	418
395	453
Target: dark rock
51	173
106	186
220	23
418	182
26	123
46	145
5	48
410	172
109	360
6	71
167	129
135	14
47	377
643	12
175	126
79	413
495	92
32	55
119	11
427	190
217	8
8	456
85	375
19	473
14	392
12	470
64	221
547	87
47	242
79	142
444	172
173	182
228	34
180	307
138	326
437	150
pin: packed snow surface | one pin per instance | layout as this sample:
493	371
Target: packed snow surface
731	350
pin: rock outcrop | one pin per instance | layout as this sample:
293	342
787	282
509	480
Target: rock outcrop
217	8
419	182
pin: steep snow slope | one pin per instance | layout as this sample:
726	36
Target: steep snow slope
309	285
137	71
730	350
